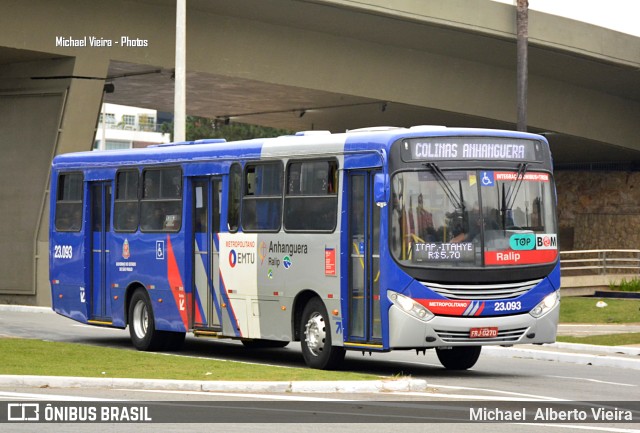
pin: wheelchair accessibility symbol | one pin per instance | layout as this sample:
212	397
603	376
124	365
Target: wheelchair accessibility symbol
487	178
160	250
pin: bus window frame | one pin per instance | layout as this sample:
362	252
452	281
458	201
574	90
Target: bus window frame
230	196
80	202
333	195
137	200
255	198
142	200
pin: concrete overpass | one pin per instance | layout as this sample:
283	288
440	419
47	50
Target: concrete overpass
305	64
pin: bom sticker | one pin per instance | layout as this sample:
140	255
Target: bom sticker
546	242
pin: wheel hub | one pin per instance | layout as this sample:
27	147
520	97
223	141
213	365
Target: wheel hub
315	334
140	319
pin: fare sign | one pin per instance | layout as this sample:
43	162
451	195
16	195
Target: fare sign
470	148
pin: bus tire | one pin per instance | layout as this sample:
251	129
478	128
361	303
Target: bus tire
264	344
315	332
142	327
459	357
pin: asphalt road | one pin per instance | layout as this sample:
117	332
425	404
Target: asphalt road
503	378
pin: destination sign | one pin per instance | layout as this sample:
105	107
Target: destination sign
469	148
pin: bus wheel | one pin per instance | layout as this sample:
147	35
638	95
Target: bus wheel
315	330
264	344
142	324
459	358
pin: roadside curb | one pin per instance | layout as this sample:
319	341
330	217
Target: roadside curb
216	386
566	356
625	350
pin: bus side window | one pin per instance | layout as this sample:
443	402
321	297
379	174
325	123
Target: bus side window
69	203
262	199
161	204
311	200
235	191
125	212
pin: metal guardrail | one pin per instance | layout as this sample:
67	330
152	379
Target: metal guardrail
600	262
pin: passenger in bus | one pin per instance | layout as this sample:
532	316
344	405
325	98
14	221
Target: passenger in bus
76	220
149	190
474	226
176	184
69	220
425	221
127	220
153	220
458	226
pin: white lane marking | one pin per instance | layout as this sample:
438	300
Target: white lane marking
482	397
498	391
584	427
593	380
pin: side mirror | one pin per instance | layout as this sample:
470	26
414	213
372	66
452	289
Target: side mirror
381	189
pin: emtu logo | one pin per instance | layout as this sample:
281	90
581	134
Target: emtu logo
233	258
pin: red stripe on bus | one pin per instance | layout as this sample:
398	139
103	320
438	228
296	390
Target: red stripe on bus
175	282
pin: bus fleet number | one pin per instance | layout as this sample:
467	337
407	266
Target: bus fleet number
507	306
63	252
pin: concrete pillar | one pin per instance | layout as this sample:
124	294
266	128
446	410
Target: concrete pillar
39	118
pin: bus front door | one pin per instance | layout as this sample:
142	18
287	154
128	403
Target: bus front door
206	272
100	200
364	326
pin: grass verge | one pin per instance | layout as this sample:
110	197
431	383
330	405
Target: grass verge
584	310
36	357
604	340
617	311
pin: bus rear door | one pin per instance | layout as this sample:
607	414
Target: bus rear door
100	201
206	263
364	325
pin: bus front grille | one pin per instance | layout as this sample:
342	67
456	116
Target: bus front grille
504	336
482	291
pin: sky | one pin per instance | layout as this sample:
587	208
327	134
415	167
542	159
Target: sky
619	15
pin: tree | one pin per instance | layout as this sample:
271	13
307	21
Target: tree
198	128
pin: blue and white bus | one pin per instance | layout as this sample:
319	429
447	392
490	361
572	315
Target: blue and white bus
371	240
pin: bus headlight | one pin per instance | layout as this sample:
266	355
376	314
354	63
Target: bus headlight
410	306
546	305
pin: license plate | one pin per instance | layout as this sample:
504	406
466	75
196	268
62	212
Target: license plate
483	332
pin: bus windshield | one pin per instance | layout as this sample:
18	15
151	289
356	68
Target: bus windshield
472	219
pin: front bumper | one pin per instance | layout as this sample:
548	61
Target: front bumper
408	332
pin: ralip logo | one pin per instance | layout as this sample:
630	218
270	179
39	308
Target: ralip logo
233	258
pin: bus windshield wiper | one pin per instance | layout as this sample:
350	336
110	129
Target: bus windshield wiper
512	193
446	186
509	198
